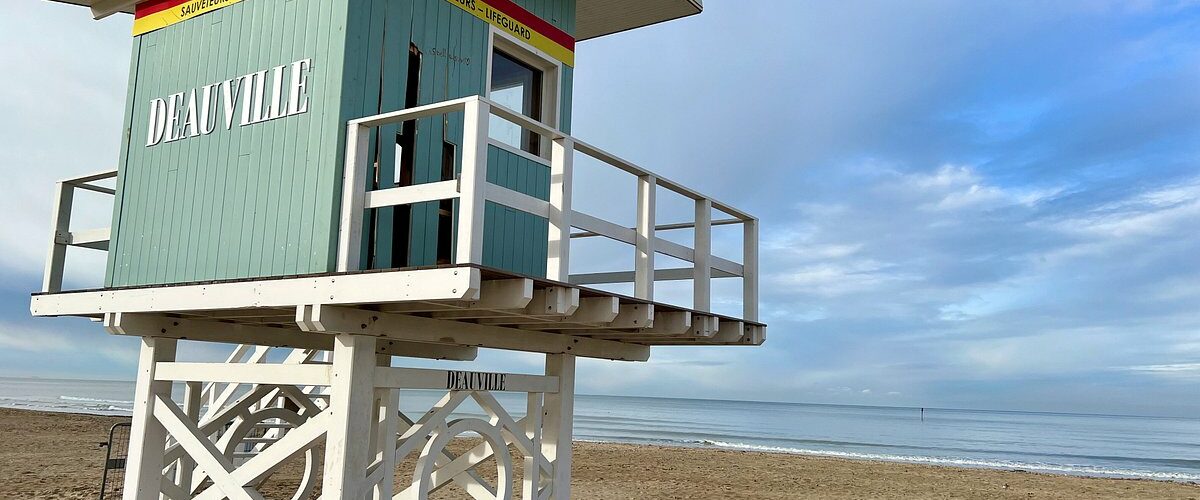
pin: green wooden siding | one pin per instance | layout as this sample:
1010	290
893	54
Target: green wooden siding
256	200
515	240
264	199
454	45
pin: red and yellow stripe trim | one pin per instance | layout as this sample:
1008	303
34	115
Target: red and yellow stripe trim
158	14
522	24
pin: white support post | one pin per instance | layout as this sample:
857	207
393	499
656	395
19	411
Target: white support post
148	437
354	195
191	407
531	484
348	439
643	287
561	180
702	275
386	425
60	225
559	412
472	182
750	270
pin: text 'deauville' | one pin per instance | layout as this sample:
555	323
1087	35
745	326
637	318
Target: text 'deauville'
474	381
246	100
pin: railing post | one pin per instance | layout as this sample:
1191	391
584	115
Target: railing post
750	270
643	274
60	226
702	273
350	241
471	182
559	247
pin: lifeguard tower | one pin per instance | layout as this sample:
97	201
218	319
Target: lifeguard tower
355	181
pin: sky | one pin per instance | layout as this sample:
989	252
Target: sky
963	204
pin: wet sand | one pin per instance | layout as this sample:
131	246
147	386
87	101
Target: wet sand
55	455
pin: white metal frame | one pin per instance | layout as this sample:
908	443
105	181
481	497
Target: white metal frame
472	190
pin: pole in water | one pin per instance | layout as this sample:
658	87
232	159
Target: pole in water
922	414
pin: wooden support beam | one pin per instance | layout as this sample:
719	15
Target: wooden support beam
334	319
730	331
148	436
455	283
516	200
95	239
352	392
383	445
629	316
671	274
705	326
554	301
245	373
154	325
667	324
424	378
559	411
592	311
407	195
501	294
191	407
670	323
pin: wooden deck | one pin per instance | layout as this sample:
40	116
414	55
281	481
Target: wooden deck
440	312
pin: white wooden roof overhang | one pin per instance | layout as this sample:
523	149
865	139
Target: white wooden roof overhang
593	18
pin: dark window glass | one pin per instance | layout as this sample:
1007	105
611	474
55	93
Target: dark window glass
517	86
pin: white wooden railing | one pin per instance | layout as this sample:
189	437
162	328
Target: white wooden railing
61	235
472	191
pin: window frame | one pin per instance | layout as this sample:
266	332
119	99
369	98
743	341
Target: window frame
551	82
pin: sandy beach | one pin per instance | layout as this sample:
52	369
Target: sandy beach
55	455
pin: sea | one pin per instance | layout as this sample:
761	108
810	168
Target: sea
1124	446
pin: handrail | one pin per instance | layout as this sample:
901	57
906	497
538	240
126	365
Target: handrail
61	235
472	191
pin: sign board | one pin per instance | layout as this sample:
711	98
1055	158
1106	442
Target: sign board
158	14
516	21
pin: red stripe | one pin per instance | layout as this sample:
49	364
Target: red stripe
538	24
152	6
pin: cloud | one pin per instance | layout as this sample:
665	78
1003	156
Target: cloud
35	340
1186	371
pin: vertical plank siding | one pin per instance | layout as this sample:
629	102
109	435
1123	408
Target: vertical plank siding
257	200
263	199
515	240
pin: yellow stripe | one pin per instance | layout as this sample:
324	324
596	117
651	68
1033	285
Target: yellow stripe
176	14
478	8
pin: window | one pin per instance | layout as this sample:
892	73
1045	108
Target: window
517	86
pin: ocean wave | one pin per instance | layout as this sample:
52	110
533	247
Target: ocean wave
95	400
961	462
